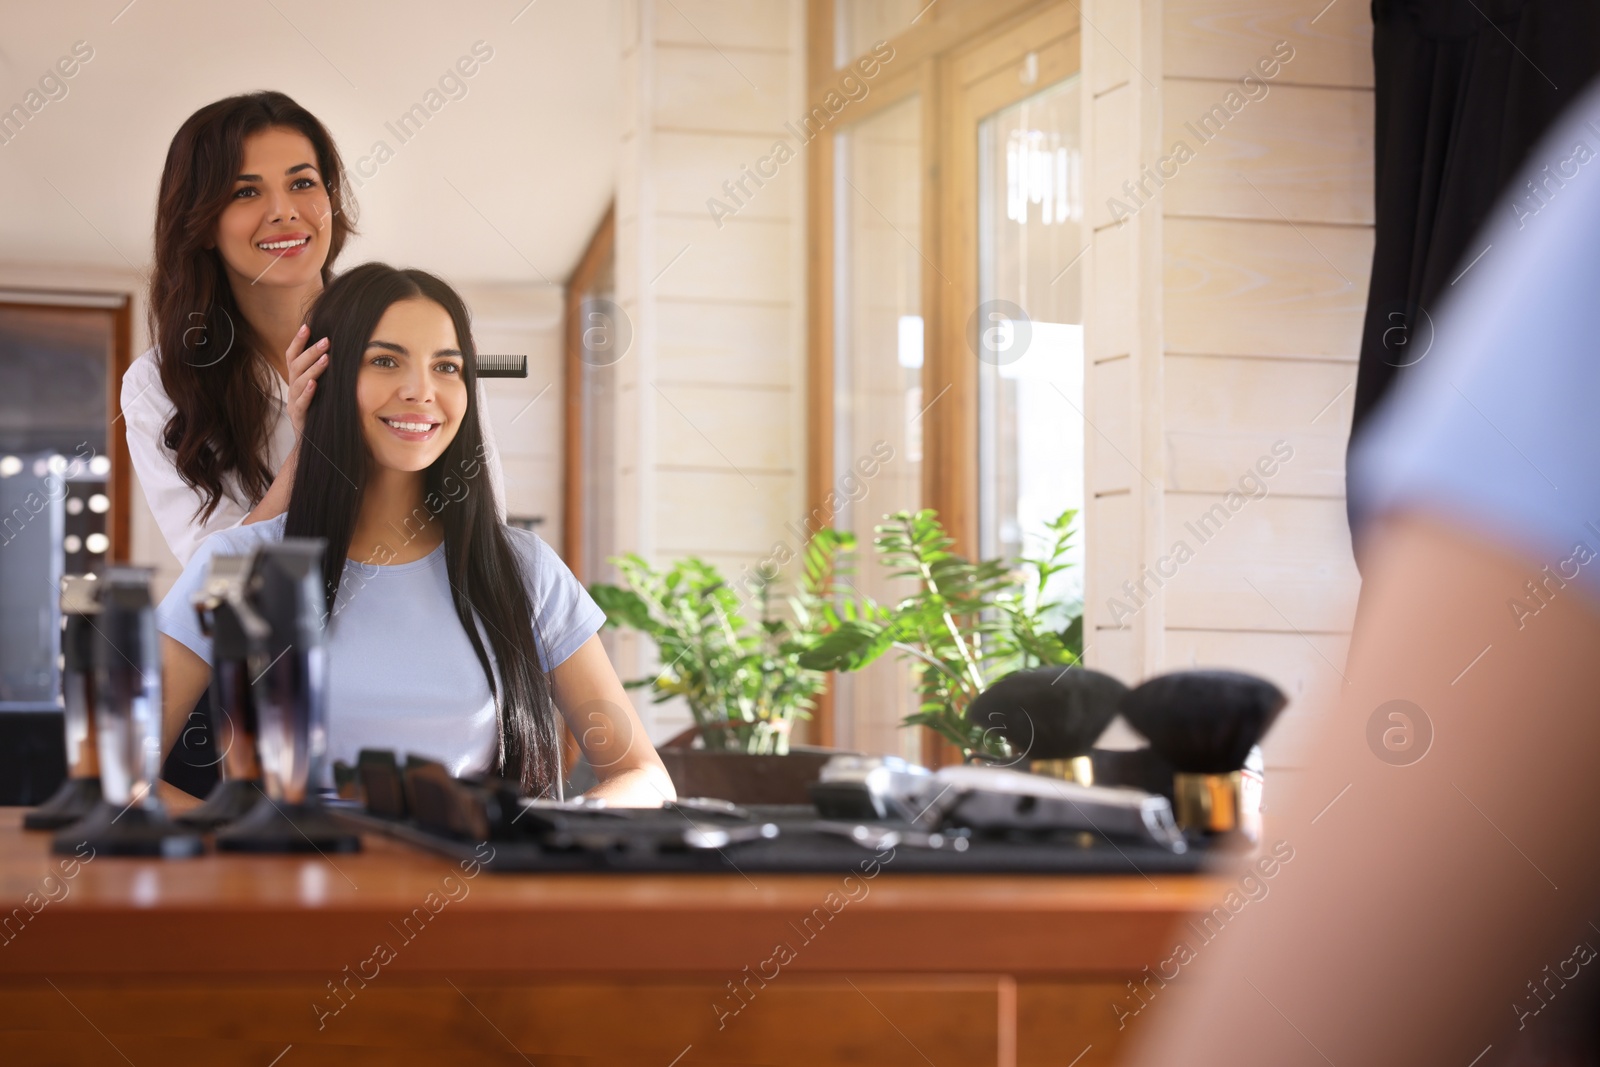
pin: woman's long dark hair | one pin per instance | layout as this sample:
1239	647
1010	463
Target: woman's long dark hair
486	574
211	367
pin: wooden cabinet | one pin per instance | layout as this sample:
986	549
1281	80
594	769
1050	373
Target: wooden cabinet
396	957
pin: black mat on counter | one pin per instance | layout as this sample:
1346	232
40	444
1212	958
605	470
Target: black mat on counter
649	840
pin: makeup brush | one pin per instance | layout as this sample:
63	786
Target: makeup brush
1205	723
1051	716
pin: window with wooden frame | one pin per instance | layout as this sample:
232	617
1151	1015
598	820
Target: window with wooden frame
946	230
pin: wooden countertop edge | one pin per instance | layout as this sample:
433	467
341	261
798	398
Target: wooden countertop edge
236	917
951	938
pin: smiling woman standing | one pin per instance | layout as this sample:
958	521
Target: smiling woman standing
252	214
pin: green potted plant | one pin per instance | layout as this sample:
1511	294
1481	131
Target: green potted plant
734	657
966	624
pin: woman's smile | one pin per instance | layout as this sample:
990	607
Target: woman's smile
410	427
285	244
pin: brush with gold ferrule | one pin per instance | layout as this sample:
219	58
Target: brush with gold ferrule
1050	717
1205	722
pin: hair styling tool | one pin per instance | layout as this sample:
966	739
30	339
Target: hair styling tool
129	820
78	795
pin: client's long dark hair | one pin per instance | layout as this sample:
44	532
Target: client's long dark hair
485	572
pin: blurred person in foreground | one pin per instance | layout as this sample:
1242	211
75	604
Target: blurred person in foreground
1443	902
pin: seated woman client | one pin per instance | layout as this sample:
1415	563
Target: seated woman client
449	632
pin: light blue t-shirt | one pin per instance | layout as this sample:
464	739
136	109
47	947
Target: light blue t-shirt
1498	430
402	674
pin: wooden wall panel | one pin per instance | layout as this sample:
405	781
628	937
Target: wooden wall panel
1121	67
1113	151
1280	564
1306	153
1224	413
745	261
1267	250
724	428
629	106
628	284
726	24
1114	462
1112	651
696	89
1115	554
709	399
1264	288
715	342
1111	315
1223	39
716	511
532	489
690	169
627	439
1114	25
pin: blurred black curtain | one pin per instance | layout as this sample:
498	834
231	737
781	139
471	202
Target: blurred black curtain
1464	90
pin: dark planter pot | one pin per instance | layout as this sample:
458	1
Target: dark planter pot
747	779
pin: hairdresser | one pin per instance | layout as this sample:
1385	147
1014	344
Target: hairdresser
252	213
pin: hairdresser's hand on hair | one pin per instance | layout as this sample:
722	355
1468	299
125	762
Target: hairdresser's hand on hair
306	364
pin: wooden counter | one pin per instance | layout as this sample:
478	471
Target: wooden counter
235	959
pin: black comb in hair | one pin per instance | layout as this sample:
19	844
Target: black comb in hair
493	366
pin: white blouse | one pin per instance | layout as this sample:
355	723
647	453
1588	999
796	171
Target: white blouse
147	408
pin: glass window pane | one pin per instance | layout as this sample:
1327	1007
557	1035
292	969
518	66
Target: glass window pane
877	386
1031	234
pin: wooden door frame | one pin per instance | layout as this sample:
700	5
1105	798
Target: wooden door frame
600	249
949	48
